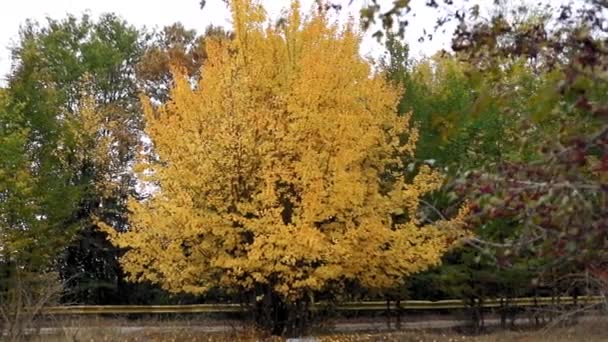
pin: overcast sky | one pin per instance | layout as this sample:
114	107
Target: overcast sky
158	13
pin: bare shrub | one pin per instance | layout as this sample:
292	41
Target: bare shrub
23	297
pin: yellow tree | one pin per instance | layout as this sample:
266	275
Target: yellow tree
281	172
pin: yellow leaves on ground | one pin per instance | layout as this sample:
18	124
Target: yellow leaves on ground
283	166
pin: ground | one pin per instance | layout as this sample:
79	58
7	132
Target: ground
588	331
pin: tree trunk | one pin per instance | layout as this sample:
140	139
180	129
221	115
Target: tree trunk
280	318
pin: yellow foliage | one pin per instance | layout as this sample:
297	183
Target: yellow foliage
94	144
283	166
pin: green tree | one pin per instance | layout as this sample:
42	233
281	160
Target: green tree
16	181
64	72
553	187
460	112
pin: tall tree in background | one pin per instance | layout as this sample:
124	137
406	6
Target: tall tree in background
551	186
277	174
16	193
462	129
173	46
65	74
557	192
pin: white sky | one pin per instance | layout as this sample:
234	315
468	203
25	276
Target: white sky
158	13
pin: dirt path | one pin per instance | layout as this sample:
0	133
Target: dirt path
332	327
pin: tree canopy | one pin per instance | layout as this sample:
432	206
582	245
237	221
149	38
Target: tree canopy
265	179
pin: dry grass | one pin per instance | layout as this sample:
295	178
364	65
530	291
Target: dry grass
583	332
593	331
152	334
